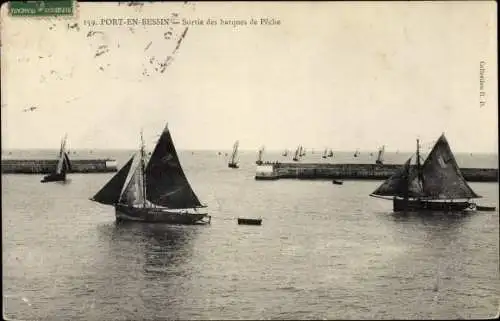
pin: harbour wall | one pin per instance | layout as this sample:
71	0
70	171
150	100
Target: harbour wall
45	166
365	171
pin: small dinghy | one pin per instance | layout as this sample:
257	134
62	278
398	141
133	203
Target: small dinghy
249	221
486	208
337	182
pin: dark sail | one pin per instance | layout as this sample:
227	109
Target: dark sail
110	193
67	162
380	156
439	178
442	178
235	152
403	183
166	183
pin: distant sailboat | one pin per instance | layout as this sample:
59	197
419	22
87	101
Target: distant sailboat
330	153
356	153
302	151
259	156
380	157
433	186
233	161
325	154
63	165
285	153
156	191
296	157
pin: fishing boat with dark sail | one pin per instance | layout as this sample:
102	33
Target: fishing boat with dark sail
435	185
233	161
156	191
380	156
325	153
260	153
63	165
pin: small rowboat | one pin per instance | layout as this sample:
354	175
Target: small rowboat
337	182
250	221
485	208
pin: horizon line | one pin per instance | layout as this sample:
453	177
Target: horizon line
253	150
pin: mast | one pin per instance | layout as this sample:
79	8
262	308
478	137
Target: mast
143	171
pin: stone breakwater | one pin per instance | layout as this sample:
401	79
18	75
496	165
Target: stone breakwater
365	171
44	166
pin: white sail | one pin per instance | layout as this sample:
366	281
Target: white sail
261	152
132	192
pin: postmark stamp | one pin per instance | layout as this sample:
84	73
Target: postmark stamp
43	8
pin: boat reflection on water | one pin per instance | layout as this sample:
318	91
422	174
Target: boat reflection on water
429	217
439	230
166	249
147	265
156	238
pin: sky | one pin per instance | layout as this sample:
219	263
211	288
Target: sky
337	75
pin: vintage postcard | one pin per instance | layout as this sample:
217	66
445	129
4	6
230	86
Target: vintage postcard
249	160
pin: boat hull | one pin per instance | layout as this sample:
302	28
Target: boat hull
54	178
401	205
266	178
157	215
232	165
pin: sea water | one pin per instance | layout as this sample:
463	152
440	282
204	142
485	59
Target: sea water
324	251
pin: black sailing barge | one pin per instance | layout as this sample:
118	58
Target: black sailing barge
156	191
435	185
63	165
